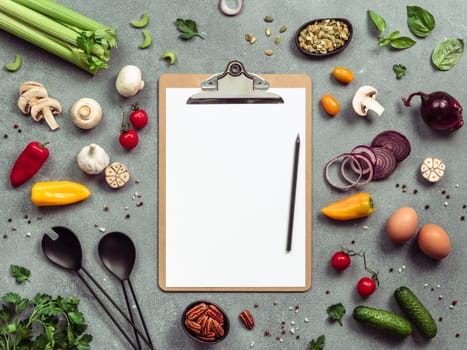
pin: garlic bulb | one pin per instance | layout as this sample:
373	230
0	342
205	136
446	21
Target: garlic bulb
93	159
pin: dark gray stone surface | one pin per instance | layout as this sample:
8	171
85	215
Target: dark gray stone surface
133	209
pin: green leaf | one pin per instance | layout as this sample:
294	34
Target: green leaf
447	53
421	22
402	42
188	28
399	70
317	344
336	312
12	298
379	21
20	273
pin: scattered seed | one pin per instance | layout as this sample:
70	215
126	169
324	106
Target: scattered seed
248	37
127	216
440	319
277	40
102	229
306	320
267	333
268	19
282	29
427	207
268	31
253	40
106	207
28	234
268	52
139	204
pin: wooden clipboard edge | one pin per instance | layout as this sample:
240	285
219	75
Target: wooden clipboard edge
192	81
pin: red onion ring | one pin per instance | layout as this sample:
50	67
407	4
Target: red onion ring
358	160
394	141
385	163
334	160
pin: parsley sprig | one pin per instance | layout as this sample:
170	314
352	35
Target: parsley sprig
20	274
188	28
43	323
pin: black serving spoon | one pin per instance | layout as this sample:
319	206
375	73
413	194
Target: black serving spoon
65	251
118	254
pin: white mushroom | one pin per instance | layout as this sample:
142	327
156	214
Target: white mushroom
129	81
93	159
86	113
46	108
31	96
364	100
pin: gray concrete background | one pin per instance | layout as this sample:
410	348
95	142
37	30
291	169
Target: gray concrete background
224	41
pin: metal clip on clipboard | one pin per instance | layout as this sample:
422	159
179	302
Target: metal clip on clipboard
234	86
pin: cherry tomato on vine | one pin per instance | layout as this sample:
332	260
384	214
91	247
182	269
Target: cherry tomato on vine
340	261
366	286
138	118
128	139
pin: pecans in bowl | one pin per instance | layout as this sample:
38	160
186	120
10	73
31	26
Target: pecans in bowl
324	37
205	322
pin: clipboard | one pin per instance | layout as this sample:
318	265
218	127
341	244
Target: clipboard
226	151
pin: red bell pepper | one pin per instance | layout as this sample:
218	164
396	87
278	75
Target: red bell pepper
29	162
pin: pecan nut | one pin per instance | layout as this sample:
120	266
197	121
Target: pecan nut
196	311
205	322
247	319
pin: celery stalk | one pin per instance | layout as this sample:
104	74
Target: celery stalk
62	50
60	30
61	13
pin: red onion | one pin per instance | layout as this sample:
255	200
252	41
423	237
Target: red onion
439	110
395	141
385	163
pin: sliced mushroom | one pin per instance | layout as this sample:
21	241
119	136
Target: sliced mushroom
29	85
86	113
31	96
364	100
432	169
47	108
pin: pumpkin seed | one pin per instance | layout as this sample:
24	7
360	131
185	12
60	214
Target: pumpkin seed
268	19
268	52
282	29
268	31
277	40
324	36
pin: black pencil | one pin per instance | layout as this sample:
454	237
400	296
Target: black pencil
293	193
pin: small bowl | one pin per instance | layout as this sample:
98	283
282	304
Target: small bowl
216	313
326	53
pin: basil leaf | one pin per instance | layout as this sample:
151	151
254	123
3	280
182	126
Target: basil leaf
384	41
447	53
420	21
394	35
379	21
402	42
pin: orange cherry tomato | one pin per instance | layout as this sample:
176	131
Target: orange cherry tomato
344	75
330	104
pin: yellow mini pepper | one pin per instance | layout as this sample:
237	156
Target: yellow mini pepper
355	206
54	193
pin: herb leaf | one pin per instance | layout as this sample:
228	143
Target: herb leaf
20	273
402	42
399	70
379	21
447	53
336	312
188	28
420	21
317	344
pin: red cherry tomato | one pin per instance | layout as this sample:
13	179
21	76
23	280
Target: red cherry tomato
366	286
129	139
340	261
139	118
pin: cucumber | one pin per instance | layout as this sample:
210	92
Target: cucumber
416	312
382	319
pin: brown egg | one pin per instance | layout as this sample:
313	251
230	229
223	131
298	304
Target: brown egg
434	241
402	225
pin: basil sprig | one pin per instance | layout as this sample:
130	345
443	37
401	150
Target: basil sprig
393	39
421	22
447	53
